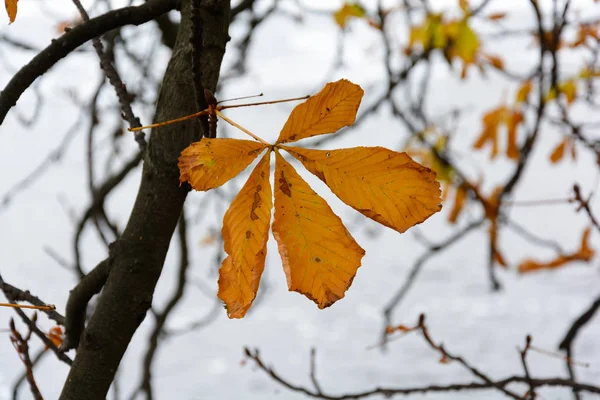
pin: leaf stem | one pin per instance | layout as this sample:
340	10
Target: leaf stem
48	307
261	103
171	121
241	98
246	131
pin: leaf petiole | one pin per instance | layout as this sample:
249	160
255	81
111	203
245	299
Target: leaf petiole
171	121
246	131
262	103
48	307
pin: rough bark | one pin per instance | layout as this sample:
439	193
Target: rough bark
137	257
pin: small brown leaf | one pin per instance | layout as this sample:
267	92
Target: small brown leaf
523	92
56	335
585	253
559	152
11	9
459	202
496	16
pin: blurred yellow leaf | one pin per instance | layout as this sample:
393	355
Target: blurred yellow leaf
430	35
455	38
569	89
347	11
465	41
587	72
523	92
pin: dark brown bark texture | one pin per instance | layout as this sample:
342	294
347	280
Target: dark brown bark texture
136	258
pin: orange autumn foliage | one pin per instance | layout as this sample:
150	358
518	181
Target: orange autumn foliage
347	11
492	122
320	257
246	240
11	9
460	199
559	151
454	37
585	253
491	208
56	335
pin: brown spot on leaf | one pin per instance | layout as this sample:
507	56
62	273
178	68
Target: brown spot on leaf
248	234
285	186
318	259
256	203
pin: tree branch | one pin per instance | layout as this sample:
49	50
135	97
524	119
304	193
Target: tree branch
137	257
75	37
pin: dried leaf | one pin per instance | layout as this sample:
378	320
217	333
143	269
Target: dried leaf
496	16
56	335
584	32
523	92
492	121
430	35
245	233
589	73
11	9
559	152
512	123
326	112
460	199
320	257
585	253
383	185
495	61
209	163
465	41
569	89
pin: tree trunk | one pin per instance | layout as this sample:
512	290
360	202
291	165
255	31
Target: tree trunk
137	257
